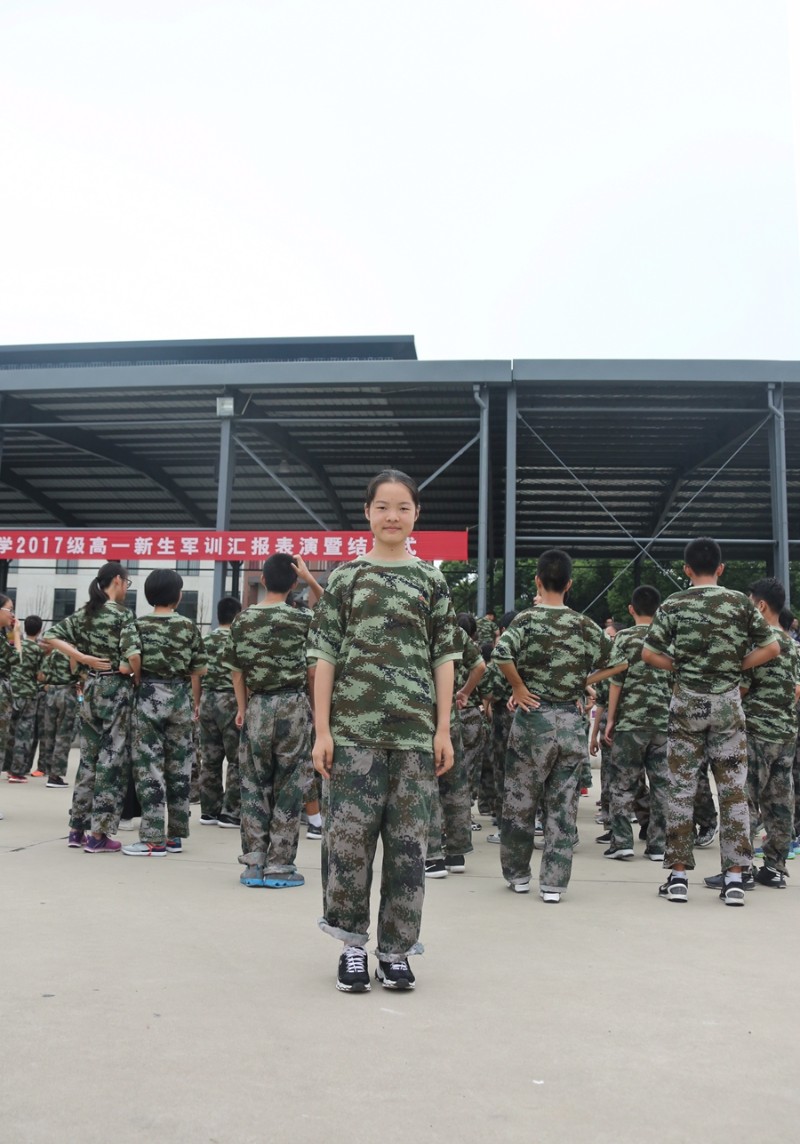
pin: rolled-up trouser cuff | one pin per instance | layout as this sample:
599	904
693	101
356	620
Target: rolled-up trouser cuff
552	889
359	939
383	955
254	858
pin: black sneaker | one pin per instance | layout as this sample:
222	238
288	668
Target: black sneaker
228	821
313	831
353	975
605	839
731	893
55	782
769	876
705	838
618	852
643	833
435	868
208	820
395	974
675	889
654	855
455	864
715	882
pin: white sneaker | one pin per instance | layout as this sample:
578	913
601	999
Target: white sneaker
494	838
552	896
520	887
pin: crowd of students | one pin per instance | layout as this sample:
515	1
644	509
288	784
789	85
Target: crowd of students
401	716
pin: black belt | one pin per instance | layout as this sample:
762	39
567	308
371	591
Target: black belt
98	674
165	678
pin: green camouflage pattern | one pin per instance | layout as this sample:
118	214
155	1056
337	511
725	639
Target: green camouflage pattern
470	656
708	727
9	657
172	648
635	752
6	717
268	645
708	631
769	705
485	631
502	719
60	711
26	734
646	690
451	807
274	768
770	796
111	634
24	675
796	785
376	795
57	671
162	753
218	676
104	769
554	649
495	686
546	751
219	740
385	627
473	738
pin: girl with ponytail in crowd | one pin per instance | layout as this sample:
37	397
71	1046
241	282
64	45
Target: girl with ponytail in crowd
104	638
10	650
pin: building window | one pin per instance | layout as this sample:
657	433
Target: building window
188	606
188	567
63	603
12	595
67	567
130	600
132	566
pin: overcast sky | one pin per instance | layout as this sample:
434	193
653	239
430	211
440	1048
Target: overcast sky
526	178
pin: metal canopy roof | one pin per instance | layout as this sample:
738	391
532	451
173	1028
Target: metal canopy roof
127	434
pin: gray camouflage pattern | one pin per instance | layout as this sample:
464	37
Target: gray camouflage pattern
554	649
162	753
219	740
60	710
632	753
451	806
104	768
770	796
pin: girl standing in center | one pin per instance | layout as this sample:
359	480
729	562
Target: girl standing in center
383	637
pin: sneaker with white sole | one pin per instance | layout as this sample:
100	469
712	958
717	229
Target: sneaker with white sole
675	889
208	820
731	893
55	782
145	850
455	864
228	821
520	887
314	832
705	838
654	855
126	824
353	975
618	852
769	876
435	868
494	838
551	897
395	974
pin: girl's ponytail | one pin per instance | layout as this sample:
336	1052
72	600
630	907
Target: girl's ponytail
97	594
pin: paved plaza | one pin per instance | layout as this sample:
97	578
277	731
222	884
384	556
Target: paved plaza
157	999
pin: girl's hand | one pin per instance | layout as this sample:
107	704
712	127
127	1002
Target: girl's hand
95	664
609	734
526	699
443	755
322	754
594	746
239	720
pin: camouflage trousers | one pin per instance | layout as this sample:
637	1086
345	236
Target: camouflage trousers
635	753
26	735
705	812
501	729
219	739
6	718
105	764
546	751
376	794
770	795
162	753
486	792
796	783
274	765
473	738
451	806
707	728
59	709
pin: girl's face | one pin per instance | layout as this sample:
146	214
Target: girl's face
7	617
392	514
117	589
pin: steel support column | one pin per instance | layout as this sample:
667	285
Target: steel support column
777	473
510	552
481	393
227	469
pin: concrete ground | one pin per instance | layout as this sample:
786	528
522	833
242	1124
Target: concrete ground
158	999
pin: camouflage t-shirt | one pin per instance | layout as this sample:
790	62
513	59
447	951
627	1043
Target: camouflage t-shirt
172	647
111	634
469	657
554	649
485	631
24	683
769	705
495	685
57	670
646	690
218	676
268	645
708	631
8	655
385	627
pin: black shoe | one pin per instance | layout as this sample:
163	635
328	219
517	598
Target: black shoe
228	821
605	839
395	974
705	838
455	863
56	782
618	852
769	876
353	975
313	831
731	893
435	868
208	820
675	889
642	833
715	882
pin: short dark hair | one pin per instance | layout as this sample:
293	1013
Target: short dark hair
33	625
507	619
771	591
554	569
227	608
786	619
280	574
486	651
467	621
703	555
645	600
163	587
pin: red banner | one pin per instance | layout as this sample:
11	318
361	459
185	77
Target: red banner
98	545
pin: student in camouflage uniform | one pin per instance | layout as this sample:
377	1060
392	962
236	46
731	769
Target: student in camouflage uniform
167	704
384	639
705	635
484	769
103	637
60	709
10	649
546	656
450	837
219	735
637	729
267	658
26	691
470	715
499	689
486	629
769	698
